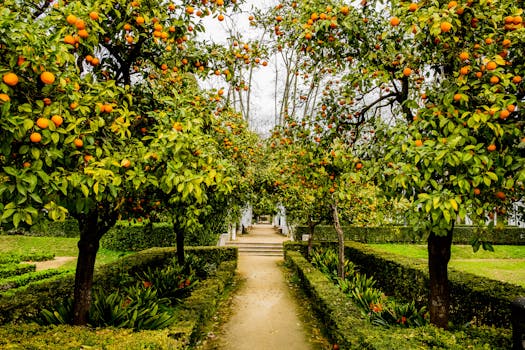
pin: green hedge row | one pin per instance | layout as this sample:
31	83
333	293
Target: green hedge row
26	302
15	269
192	317
474	299
137	236
402	234
346	326
15	282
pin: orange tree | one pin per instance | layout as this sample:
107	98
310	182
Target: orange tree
462	154
74	131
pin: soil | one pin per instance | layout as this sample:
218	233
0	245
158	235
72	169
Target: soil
53	264
263	313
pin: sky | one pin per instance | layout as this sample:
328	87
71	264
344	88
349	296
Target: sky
262	93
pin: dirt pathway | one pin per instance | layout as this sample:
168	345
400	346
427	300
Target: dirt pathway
265	316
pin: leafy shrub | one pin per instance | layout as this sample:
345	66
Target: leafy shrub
21	280
126	236
15	269
378	308
19	257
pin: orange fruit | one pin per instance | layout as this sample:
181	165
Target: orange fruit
106	108
94	15
407	71
80	24
394	21
494	79
35	137
10	79
516	79
464	56
345	10
78	143
511	108
42	123
69	39
125	163
504	114
418	143
189	10
47	78
477	191
491	65
452	4
83	33
220	17
445	27
95	61
26	164
57	120
71	19
500	195
457	97
127	27
491	147
47	101
464	70
4	97
517	20
506	43
359	166
412	7
88	157
140	20
73	105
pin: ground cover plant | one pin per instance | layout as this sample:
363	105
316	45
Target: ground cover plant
505	263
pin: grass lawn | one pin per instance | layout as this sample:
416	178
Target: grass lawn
506	263
58	245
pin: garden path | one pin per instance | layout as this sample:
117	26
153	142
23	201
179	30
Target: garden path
264	315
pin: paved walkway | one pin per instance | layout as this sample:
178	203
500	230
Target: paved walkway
264	315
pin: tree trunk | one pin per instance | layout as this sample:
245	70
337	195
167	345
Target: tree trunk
340	242
179	233
438	258
87	252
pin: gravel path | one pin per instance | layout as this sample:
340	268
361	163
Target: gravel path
265	316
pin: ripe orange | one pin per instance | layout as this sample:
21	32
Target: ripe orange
47	78
412	7
4	97
394	21
464	56
140	20
57	120
125	163
506	43
491	147
418	143
189	10
452	4
127	27
457	97
26	164
345	10
88	157
407	71
500	195
73	105
445	27
42	123
78	143
516	79
10	79
69	39
517	20
359	166
464	70
504	114
494	79
71	19
83	33
477	191
35	137
107	108
80	24
94	15
511	108
220	17
491	65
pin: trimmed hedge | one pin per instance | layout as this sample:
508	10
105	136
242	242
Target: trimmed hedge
26	302
192	316
67	228
134	237
403	234
15	269
346	326
474	299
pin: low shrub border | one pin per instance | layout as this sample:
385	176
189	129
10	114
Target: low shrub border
192	316
26	302
403	234
475	299
347	327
